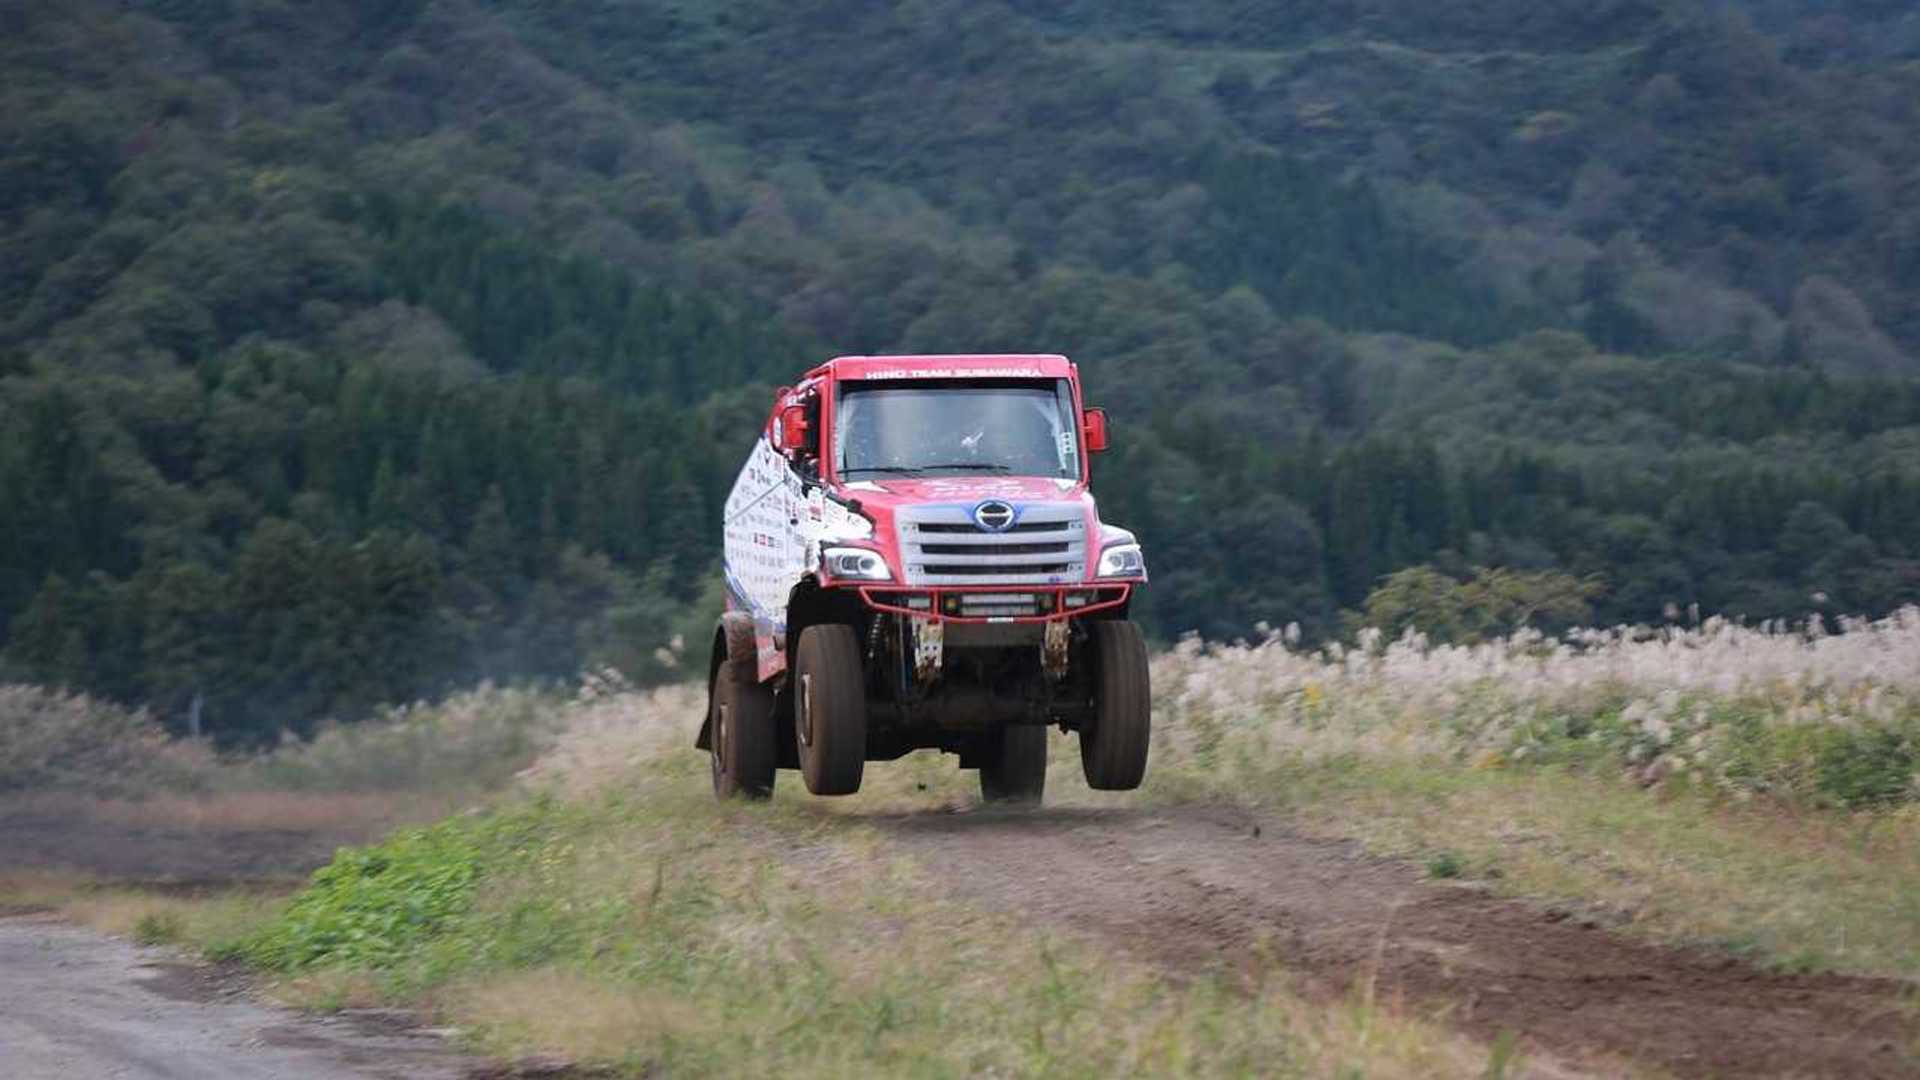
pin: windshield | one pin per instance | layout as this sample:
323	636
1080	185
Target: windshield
1015	427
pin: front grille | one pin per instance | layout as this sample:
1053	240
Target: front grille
994	569
941	545
968	527
998	549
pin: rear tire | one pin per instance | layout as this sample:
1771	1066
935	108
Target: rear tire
830	709
741	730
1013	770
1113	749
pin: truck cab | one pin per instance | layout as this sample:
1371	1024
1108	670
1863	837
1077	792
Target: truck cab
914	561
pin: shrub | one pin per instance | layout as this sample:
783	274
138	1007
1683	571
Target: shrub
159	928
1491	603
51	740
370	905
1860	768
478	738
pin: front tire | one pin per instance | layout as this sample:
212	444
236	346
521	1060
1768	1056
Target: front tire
830	709
741	730
1014	769
1113	749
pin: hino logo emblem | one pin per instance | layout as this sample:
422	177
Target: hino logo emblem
993	516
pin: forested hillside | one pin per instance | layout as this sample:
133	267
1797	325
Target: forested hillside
350	351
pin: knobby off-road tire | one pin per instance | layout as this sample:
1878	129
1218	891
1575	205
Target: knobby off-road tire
1014	768
830	709
741	730
1113	749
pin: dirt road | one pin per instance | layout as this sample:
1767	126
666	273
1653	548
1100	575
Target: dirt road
1190	890
76	1005
1198	889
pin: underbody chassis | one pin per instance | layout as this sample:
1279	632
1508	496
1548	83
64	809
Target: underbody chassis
980	672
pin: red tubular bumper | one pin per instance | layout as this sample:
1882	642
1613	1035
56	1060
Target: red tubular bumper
945	602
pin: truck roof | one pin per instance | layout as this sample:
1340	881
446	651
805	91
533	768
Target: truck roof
956	366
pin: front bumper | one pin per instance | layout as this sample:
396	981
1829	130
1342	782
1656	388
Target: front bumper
997	603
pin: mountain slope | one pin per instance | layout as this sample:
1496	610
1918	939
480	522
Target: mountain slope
357	349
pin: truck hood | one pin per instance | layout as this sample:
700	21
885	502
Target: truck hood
895	491
882	501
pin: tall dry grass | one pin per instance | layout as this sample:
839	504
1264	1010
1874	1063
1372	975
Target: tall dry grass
77	770
1799	712
54	740
1749	787
474	740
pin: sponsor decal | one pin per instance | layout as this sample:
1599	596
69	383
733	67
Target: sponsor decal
955	373
960	487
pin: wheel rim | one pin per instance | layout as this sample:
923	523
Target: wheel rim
721	737
806	710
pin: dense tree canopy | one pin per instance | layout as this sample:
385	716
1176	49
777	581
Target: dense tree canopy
350	351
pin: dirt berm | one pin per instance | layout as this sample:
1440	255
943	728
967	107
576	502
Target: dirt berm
1194	889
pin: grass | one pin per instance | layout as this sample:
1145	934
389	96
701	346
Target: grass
215	923
622	918
97	793
1799	889
117	804
1751	789
1746	789
54	743
638	925
34	891
216	812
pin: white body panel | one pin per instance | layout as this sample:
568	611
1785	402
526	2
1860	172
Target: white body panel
774	525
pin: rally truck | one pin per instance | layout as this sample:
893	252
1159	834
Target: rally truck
914	562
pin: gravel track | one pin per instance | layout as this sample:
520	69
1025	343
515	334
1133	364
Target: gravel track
75	1005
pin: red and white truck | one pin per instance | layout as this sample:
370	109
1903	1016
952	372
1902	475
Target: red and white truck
914	561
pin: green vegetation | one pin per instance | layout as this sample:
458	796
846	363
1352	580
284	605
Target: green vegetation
376	906
473	741
1493	603
1752	789
159	928
351	353
51	741
650	932
1810	891
215	923
610	911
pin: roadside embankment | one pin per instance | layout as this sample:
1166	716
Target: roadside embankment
1673	852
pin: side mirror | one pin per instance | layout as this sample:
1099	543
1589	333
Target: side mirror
795	433
1093	430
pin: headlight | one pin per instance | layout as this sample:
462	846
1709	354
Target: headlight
858	564
1122	560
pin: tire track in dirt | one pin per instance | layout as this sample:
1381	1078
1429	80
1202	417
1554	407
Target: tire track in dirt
1198	889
